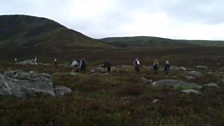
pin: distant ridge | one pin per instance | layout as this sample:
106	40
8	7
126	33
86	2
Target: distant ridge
147	41
27	32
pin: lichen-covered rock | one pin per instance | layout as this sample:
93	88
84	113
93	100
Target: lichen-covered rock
21	84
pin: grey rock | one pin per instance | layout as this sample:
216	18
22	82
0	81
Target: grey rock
176	84
31	76
28	62
201	67
178	68
123	68
22	84
211	85
195	73
100	69
190	91
210	73
61	90
189	77
146	80
156	101
73	73
92	71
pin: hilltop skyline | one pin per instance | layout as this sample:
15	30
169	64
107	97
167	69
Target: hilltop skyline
176	19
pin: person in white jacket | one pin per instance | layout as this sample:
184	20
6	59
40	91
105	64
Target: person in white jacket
75	64
137	65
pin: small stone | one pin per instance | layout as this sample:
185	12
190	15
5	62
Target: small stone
156	101
190	91
211	85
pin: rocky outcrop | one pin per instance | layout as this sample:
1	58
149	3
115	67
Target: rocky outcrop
176	84
23	84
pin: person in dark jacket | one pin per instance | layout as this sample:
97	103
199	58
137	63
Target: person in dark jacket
83	65
107	64
167	67
155	66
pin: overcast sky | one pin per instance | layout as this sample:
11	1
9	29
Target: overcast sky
179	19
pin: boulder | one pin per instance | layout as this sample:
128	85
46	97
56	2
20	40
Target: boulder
195	73
176	84
190	91
61	90
28	62
22	84
27	85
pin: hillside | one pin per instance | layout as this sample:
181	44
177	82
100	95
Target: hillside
28	32
144	41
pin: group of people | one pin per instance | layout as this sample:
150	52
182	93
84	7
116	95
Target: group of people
81	65
155	66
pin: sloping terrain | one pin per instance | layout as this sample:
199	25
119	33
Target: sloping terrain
19	32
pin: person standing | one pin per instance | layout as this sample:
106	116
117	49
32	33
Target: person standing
82	65
75	64
107	64
137	65
35	60
167	67
155	66
55	62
